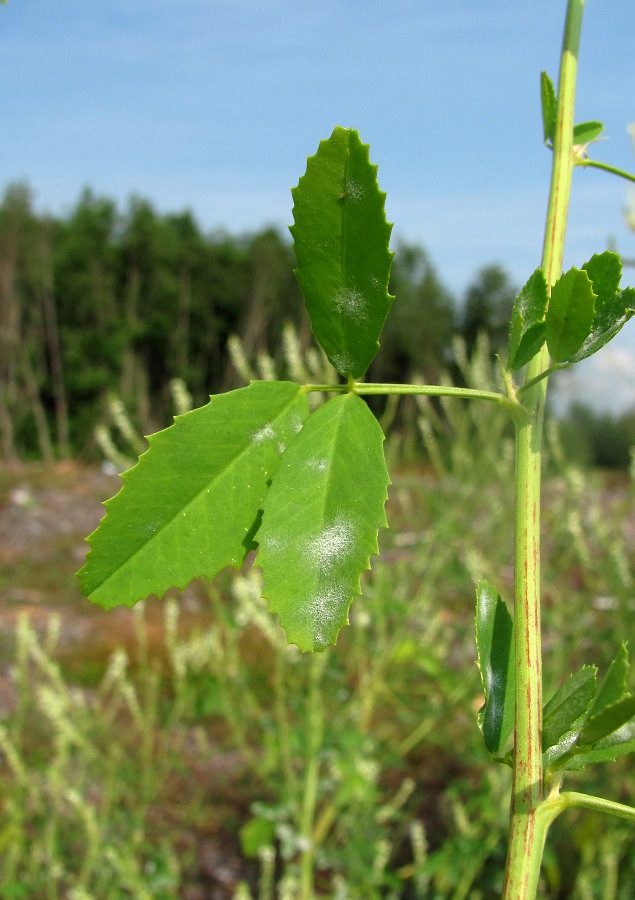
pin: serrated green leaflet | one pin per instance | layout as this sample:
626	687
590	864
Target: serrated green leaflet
548	105
607	730
527	330
613	686
568	705
494	641
341	240
609	321
605	272
320	520
619	743
553	755
607	721
189	507
570	314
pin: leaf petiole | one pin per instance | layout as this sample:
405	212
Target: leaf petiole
554	805
595	164
556	367
431	390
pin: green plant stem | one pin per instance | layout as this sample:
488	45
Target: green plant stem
283	726
528	830
315	729
595	164
556	367
525	847
571	799
549	810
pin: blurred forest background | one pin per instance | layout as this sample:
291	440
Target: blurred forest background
183	749
104	304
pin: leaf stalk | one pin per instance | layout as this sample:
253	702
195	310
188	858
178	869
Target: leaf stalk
605	167
556	367
429	390
597	804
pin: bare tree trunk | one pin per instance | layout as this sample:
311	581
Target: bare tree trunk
7	447
35	402
129	363
51	331
134	390
182	333
9	318
256	321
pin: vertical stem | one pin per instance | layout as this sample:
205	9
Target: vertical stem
315	729
525	846
528	830
562	167
283	726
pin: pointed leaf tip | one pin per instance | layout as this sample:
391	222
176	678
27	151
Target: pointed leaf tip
341	242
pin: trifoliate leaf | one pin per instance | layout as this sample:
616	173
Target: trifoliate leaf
320	520
341	240
190	505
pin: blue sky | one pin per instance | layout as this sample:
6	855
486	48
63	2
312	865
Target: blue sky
214	105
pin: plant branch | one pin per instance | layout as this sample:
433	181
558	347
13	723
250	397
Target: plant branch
556	367
595	164
549	810
598	804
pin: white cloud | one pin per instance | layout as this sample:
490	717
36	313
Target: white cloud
605	381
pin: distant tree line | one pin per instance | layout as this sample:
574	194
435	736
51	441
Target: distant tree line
107	302
102	301
599	439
